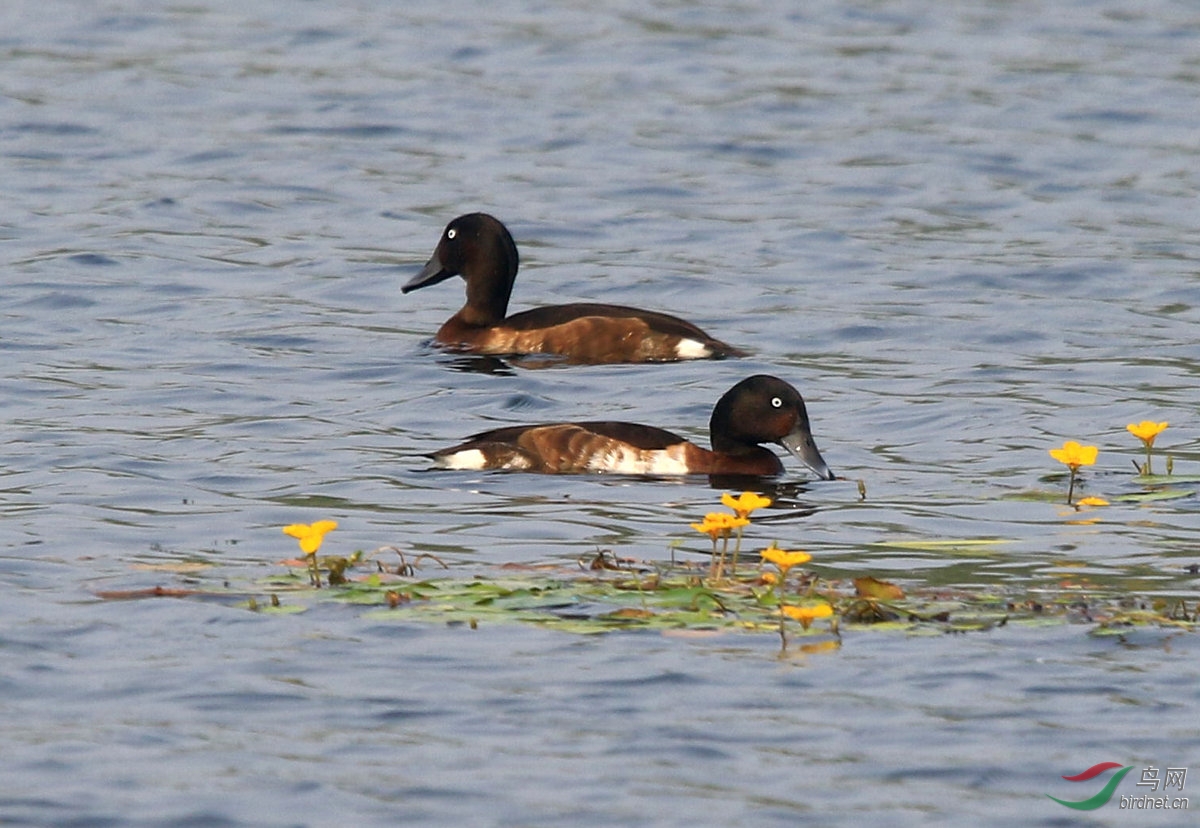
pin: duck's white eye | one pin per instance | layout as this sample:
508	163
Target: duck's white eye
776	402
451	233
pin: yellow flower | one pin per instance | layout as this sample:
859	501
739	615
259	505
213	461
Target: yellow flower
745	503
783	559
808	613
310	537
1091	501
1146	431
718	524
1074	455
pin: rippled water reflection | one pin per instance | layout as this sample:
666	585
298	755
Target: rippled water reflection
965	233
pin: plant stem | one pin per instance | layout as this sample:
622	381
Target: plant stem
780	588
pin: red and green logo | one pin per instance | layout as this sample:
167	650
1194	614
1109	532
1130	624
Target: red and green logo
1105	794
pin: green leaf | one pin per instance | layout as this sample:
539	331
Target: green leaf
1158	494
971	545
282	609
1166	479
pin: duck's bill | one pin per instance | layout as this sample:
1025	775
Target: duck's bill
432	273
800	445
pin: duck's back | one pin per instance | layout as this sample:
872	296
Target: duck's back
624	448
601	333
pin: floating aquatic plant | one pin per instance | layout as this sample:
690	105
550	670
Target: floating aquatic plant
742	506
1074	455
719	526
784	559
656	596
745	503
1146	431
310	536
806	613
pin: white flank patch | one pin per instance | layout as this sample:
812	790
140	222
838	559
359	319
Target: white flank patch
633	461
469	460
691	349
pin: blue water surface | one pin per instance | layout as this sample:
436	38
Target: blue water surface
966	232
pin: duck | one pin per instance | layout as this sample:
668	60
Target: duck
759	409
479	248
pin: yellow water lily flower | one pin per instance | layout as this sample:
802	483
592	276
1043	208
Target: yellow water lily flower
745	503
310	536
1146	431
783	559
719	524
1091	501
807	613
1074	455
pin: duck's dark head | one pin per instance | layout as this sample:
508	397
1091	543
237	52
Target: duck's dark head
765	409
479	248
